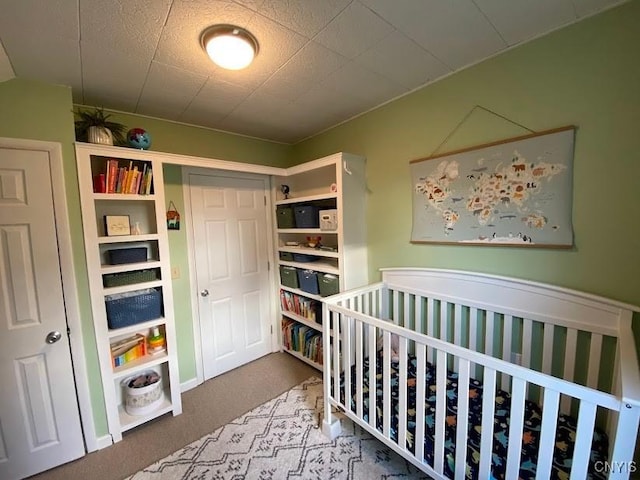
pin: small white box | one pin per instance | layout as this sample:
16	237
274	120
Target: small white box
328	219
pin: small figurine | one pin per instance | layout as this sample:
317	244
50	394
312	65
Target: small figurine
285	191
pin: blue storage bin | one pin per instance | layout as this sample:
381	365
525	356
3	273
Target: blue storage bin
306	216
308	281
133	307
303	257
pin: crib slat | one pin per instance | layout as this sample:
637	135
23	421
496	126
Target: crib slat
396	307
421	357
488	337
516	424
359	379
373	335
457	315
430	325
441	404
462	422
569	365
584	435
417	308
595	352
547	434
488	415
337	317
407	321
346	356
527	335
473	329
547	347
386	383
444	321
507	333
402	393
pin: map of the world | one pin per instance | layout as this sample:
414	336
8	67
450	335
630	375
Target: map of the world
515	192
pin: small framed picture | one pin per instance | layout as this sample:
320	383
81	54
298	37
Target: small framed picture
115	225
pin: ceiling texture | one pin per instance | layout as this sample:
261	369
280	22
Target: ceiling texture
321	62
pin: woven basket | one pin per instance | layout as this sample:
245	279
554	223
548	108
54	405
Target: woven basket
133	307
127	278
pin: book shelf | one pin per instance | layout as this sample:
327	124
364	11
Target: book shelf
335	183
129	277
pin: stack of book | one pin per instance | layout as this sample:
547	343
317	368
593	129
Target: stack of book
128	349
134	179
302	339
305	307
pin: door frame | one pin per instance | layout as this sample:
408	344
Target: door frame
195	311
68	278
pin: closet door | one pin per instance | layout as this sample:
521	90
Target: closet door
232	269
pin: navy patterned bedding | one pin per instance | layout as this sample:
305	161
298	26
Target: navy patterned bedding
565	433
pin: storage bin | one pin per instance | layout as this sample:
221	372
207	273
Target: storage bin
284	217
306	216
308	281
286	256
143	399
288	276
127	255
128	278
328	284
302	257
129	308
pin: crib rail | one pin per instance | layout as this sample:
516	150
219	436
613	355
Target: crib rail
476	340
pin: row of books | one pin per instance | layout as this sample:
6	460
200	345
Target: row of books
305	307
134	179
302	339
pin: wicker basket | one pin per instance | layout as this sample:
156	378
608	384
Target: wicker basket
128	278
133	307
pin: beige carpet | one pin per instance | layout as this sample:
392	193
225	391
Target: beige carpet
206	408
281	439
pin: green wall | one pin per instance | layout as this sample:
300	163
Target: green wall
585	75
38	111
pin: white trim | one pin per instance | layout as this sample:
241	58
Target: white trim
183	160
69	283
104	442
195	312
189	384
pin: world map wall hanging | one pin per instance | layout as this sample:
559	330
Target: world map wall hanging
514	192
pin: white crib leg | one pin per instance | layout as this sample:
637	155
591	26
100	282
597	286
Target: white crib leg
331	429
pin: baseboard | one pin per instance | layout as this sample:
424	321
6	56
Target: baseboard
104	441
189	384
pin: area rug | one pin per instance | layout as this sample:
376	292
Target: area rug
281	439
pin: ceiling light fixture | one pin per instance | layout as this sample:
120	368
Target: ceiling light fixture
229	46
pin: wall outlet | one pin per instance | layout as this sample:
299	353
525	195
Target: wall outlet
175	272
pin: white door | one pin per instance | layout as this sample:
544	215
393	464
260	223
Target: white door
39	417
231	251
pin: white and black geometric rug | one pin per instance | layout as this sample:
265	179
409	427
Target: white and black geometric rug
281	439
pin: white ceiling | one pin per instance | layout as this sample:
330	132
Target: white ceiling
320	63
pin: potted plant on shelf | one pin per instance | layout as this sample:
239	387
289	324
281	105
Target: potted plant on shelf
93	126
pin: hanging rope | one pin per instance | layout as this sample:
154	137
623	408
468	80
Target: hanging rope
465	119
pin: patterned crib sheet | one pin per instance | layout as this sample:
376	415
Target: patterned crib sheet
565	431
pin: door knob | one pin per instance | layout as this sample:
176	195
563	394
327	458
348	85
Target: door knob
204	293
53	337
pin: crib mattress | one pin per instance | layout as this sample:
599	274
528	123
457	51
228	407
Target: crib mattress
565	432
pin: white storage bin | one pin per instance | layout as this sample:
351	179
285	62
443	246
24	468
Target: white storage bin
145	399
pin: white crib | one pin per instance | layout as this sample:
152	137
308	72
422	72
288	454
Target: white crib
569	352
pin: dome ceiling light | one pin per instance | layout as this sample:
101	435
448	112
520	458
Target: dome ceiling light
229	46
